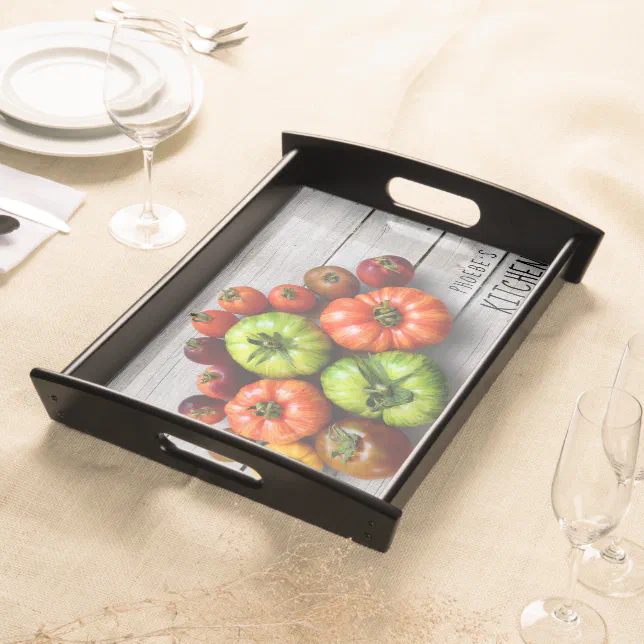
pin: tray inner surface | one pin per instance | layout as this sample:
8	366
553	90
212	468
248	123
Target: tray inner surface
483	288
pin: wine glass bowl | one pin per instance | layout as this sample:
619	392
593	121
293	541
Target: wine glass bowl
615	566
590	494
151	53
630	377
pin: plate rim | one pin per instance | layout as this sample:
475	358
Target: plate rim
86	27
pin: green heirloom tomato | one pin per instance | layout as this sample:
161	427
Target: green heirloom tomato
279	345
404	389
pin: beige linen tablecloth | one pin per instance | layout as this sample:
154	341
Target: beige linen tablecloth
543	97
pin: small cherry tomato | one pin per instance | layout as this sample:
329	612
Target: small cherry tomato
332	282
243	300
213	323
205	350
202	408
221	380
387	270
292	298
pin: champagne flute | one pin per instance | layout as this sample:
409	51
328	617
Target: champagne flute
615	566
591	492
148	95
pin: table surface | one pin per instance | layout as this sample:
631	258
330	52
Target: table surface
542	98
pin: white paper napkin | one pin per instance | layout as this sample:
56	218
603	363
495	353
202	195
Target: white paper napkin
53	197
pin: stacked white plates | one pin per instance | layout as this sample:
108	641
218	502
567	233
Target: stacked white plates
51	89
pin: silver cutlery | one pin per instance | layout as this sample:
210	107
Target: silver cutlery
27	211
8	224
200	45
203	46
209	33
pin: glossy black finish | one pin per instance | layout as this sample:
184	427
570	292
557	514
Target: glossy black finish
78	398
286	485
509	220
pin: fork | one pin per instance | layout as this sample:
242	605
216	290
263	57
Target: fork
208	33
200	45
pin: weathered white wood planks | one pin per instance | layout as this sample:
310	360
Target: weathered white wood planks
314	229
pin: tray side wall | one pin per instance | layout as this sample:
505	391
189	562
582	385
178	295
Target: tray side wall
286	485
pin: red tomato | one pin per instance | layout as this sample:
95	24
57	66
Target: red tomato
393	317
278	411
205	350
243	300
332	282
220	380
292	298
388	270
213	323
363	448
202	408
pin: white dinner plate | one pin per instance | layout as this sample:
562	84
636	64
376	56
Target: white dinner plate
103	141
56	81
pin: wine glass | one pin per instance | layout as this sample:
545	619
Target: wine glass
148	95
615	566
591	492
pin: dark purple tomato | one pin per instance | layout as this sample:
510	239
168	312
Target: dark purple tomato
205	350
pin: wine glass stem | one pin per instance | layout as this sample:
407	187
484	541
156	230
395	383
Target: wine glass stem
148	215
613	552
566	612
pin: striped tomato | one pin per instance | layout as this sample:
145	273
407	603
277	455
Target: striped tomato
278	411
391	318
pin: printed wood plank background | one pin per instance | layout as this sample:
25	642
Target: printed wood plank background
315	228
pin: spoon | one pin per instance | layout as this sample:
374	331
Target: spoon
209	33
200	45
8	224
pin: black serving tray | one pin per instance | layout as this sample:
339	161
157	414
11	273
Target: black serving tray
325	202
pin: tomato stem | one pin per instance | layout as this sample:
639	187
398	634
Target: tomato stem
207	376
229	294
387	315
387	264
330	278
346	442
202	411
269	409
201	317
195	343
289	293
383	392
267	346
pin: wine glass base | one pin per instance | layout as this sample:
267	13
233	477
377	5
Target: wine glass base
610	578
167	229
538	624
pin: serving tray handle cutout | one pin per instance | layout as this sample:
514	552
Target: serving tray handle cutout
433	202
508	220
285	485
